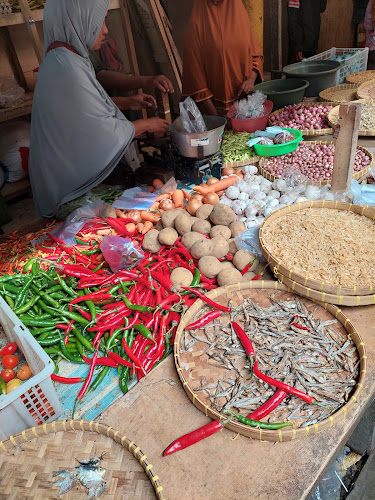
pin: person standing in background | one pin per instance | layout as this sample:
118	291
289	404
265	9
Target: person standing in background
222	61
304	28
370	32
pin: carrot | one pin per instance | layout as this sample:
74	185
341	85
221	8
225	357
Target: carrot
163	197
140	227
178	198
120	214
104	232
131	227
148	216
186	194
217	186
147	226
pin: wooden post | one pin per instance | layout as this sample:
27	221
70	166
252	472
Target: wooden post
273	39
346	146
30	23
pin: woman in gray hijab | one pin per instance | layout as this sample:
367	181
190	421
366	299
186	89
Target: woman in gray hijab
78	135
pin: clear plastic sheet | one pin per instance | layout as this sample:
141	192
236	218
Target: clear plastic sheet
251	107
364	194
191	117
120	253
249	241
135	199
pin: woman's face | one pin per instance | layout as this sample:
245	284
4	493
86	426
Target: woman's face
101	37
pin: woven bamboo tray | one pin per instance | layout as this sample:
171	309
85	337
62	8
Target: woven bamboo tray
308	281
341	93
362	174
307	133
28	459
333	119
191	366
361	77
235	164
340	300
366	90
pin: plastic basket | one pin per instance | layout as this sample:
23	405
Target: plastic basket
357	62
35	401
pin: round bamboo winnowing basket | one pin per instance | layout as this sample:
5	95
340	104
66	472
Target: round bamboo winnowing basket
361	77
237	164
341	93
310	132
360	175
366	90
333	119
192	365
310	282
28	460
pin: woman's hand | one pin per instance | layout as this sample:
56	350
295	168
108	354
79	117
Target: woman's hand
248	85
135	102
151	125
161	83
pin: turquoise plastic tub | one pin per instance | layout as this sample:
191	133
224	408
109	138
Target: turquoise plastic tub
280	149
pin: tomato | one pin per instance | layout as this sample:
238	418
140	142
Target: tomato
8	374
13	384
10	361
24	372
8	349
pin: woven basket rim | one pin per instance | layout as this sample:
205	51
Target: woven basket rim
363	87
243	163
335	90
335	111
307	133
90	426
284	434
308	281
352	78
356	175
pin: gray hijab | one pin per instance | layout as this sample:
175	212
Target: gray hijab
78	135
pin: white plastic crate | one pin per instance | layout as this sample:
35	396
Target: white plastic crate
357	62
35	401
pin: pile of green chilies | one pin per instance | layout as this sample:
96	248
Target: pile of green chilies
234	147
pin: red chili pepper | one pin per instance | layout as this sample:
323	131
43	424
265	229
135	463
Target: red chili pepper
133	357
97	338
246	342
301	327
256	277
208	301
269	405
204	321
89	296
118	359
85	314
247	268
229	256
195	436
69	327
77	271
119	226
89	376
8	349
66	380
101	361
163	280
171	298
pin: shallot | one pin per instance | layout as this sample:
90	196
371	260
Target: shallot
302	117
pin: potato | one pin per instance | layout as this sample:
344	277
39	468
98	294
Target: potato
168	217
190	238
168	236
201	226
242	258
183	223
222	215
232	246
181	277
248	276
229	277
209	266
220	247
159	225
204	211
201	248
236	228
227	265
222	231
151	241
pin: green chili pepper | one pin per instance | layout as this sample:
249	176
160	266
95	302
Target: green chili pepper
99	378
48	342
258	423
197	278
10	288
81	242
83	340
2	386
70	356
135	307
37	322
27	267
99	266
91	252
38	331
21	297
144	331
46	334
29	304
125	372
10	301
66	287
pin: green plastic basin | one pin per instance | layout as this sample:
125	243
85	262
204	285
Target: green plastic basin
320	74
280	149
283	92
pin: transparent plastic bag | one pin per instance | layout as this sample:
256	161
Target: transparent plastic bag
191	117
364	194
11	94
251	107
249	241
293	177
135	199
169	187
120	253
283	137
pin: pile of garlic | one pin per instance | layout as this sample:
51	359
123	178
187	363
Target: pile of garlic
255	197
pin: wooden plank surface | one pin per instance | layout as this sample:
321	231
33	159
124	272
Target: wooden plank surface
21	110
157	411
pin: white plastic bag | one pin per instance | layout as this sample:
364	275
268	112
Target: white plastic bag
251	107
13	136
191	117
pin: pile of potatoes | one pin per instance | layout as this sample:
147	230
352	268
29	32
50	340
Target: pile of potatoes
209	237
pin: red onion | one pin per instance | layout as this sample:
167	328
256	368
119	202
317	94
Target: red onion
302	117
315	161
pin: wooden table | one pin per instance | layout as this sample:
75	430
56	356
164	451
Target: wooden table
157	411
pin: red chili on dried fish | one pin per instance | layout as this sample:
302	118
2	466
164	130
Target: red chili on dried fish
208	301
268	406
246	342
204	320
